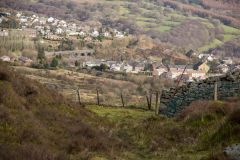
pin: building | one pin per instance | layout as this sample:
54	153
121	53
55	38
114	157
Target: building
201	66
59	31
197	74
127	68
223	68
5	58
181	67
29	32
4	32
50	20
228	60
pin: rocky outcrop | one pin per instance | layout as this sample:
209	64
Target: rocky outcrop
228	86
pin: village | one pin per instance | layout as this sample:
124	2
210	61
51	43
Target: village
53	31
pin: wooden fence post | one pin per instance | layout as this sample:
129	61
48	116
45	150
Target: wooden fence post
79	98
215	91
156	106
122	100
150	100
98	101
147	101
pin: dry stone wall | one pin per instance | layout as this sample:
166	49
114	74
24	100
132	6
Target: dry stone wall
228	86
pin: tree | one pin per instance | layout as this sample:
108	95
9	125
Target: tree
41	53
54	62
103	67
189	53
77	63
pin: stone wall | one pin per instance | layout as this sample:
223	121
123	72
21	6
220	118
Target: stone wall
228	86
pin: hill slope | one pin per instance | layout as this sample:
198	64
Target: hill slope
37	123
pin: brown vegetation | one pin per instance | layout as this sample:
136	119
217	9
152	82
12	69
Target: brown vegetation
37	123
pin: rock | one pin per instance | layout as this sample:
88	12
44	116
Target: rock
233	152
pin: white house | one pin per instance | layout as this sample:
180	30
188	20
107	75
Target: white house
5	58
42	20
23	19
18	15
116	67
106	34
50	20
223	67
119	35
4	33
127	68
95	33
197	74
228	60
59	31
210	58
82	33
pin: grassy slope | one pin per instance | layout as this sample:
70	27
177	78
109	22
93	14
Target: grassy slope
37	123
200	132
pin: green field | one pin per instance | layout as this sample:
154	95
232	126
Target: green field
213	44
229	29
119	114
228	37
163	28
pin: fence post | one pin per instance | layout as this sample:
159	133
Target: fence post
215	91
147	101
98	101
150	100
79	98
156	106
122	100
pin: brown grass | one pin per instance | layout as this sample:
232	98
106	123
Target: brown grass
38	123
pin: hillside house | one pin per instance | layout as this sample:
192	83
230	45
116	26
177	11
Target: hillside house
138	68
29	32
228	60
201	66
93	63
42	20
59	31
199	74
127	68
180	67
95	33
160	70
18	15
174	73
50	20
223	68
119	35
116	67
23	19
106	34
25	61
5	58
4	32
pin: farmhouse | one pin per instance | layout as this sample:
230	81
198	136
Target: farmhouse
201	66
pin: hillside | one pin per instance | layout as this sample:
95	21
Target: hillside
38	123
165	20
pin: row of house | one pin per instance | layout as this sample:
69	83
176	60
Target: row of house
189	72
56	29
23	60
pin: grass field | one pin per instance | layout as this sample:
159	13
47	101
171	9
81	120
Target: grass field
213	44
163	28
229	29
